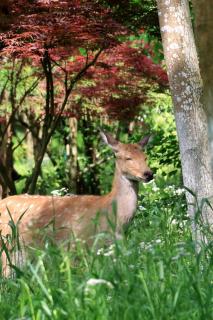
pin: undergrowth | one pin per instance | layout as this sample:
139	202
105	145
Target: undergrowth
153	273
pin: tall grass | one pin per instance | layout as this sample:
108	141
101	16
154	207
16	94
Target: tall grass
153	273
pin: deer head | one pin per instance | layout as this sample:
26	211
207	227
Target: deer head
131	161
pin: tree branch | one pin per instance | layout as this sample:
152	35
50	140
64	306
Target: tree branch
3	91
47	134
20	141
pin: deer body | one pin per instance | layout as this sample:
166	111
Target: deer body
76	214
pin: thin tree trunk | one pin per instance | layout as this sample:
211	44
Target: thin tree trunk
186	89
5	15
29	147
6	160
73	125
88	180
52	116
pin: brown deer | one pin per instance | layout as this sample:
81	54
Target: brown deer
76	214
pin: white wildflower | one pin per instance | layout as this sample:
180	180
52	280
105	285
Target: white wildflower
179	191
100	251
146	246
143	245
171	187
155	189
174	222
141	208
106	252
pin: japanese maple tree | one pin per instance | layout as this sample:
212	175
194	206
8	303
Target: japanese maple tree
44	31
76	42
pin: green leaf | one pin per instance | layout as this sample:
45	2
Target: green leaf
83	52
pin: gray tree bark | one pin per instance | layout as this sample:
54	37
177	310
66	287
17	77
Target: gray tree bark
191	118
203	27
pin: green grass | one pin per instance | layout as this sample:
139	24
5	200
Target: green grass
154	273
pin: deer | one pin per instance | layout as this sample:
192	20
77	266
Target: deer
75	214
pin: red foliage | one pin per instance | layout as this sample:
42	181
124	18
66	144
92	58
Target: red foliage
119	80
59	25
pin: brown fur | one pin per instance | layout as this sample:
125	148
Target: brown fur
76	214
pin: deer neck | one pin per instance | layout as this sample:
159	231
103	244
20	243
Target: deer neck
124	194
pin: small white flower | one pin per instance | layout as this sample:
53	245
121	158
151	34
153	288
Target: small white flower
155	189
143	245
108	253
172	187
179	191
146	246
100	251
174	222
141	208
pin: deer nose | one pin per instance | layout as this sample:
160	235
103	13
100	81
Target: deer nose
148	175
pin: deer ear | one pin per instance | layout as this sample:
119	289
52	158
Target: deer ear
109	140
144	141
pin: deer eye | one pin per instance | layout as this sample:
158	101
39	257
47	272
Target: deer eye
128	158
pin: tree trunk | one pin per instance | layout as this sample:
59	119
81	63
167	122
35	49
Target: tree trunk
6	160
203	35
186	89
5	15
73	152
29	147
88	180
